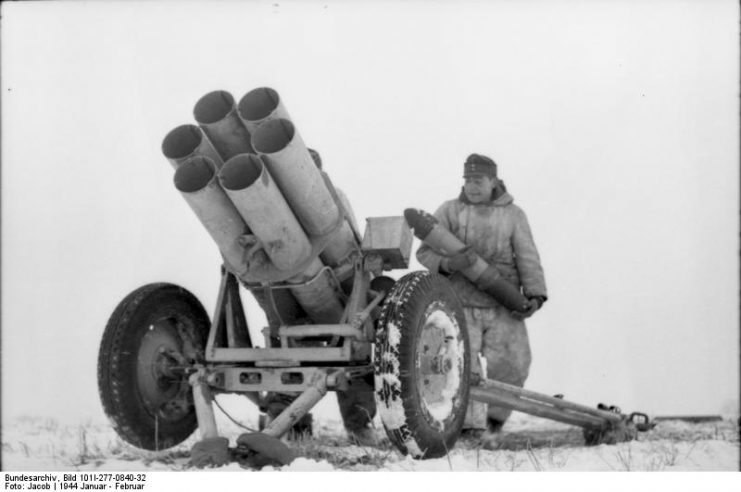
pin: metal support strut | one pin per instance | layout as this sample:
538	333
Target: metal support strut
203	399
299	407
267	443
549	407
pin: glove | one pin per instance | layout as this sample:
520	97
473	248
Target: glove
534	303
458	261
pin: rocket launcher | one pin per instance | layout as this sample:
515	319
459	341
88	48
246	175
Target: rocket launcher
276	218
485	276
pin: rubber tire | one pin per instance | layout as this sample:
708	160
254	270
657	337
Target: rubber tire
407	423
118	382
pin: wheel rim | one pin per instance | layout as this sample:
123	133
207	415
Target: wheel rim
162	370
439	361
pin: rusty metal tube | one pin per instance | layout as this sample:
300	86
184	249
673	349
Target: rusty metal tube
217	115
260	105
187	141
196	180
249	186
301	182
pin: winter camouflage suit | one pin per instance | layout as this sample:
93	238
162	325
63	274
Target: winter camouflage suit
499	232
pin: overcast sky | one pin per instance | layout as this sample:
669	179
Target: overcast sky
614	124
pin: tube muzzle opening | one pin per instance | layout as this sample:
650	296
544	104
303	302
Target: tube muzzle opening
182	141
273	136
213	107
194	174
258	104
241	171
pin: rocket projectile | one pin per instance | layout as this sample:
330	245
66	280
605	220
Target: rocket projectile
420	221
485	276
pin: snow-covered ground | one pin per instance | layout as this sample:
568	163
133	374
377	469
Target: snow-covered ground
526	444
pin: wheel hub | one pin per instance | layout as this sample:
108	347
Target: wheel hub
162	371
439	362
170	364
442	364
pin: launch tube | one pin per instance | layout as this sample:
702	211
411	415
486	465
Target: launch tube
187	141
284	308
249	186
217	115
344	242
284	171
485	276
260	203
196	180
318	297
264	104
260	105
301	182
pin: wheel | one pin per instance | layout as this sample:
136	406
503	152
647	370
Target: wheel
422	365
152	339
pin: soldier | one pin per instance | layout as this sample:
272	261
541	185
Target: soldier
485	219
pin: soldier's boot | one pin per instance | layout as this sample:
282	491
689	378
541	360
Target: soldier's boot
358	408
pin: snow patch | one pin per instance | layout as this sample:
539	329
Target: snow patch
441	320
394	334
303	465
391	379
413	447
46	445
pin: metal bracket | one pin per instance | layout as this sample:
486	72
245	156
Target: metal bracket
229	327
641	421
